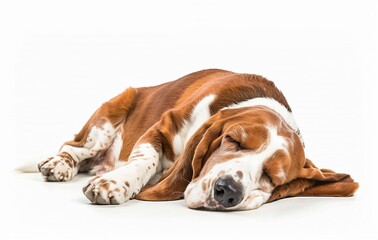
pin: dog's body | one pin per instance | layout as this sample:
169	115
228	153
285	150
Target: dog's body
223	140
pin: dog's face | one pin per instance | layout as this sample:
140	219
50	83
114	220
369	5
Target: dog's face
253	157
240	159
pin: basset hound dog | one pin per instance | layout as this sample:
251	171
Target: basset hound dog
219	139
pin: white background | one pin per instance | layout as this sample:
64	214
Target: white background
60	60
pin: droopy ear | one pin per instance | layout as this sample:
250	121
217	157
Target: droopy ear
312	181
188	166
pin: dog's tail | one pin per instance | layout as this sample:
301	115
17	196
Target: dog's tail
30	167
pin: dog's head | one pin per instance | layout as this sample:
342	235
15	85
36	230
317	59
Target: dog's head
242	158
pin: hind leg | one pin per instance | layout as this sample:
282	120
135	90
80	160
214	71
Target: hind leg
93	149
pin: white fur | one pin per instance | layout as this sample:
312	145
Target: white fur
111	156
99	138
59	169
116	148
250	165
138	170
199	115
163	165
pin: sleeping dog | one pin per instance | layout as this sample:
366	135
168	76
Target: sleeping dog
219	139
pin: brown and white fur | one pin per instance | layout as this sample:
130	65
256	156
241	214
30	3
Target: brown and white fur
221	140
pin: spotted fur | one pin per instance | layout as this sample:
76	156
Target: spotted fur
177	139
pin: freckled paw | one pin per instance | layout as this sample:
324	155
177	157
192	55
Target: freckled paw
57	169
103	191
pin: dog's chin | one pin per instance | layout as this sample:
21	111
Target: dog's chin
209	205
198	203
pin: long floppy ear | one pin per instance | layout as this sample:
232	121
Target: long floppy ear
189	164
312	181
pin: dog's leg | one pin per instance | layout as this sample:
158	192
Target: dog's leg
93	145
124	183
152	154
65	165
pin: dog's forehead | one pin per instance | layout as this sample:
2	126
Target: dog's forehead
260	143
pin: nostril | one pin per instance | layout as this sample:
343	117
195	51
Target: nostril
219	192
230	201
220	189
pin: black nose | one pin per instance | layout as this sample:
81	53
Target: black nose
228	192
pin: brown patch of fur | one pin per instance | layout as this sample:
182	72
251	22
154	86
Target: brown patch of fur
240	87
68	159
204	186
240	174
199	82
102	181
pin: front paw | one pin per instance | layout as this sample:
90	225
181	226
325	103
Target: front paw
101	190
57	169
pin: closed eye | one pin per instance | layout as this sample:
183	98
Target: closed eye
236	143
265	176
